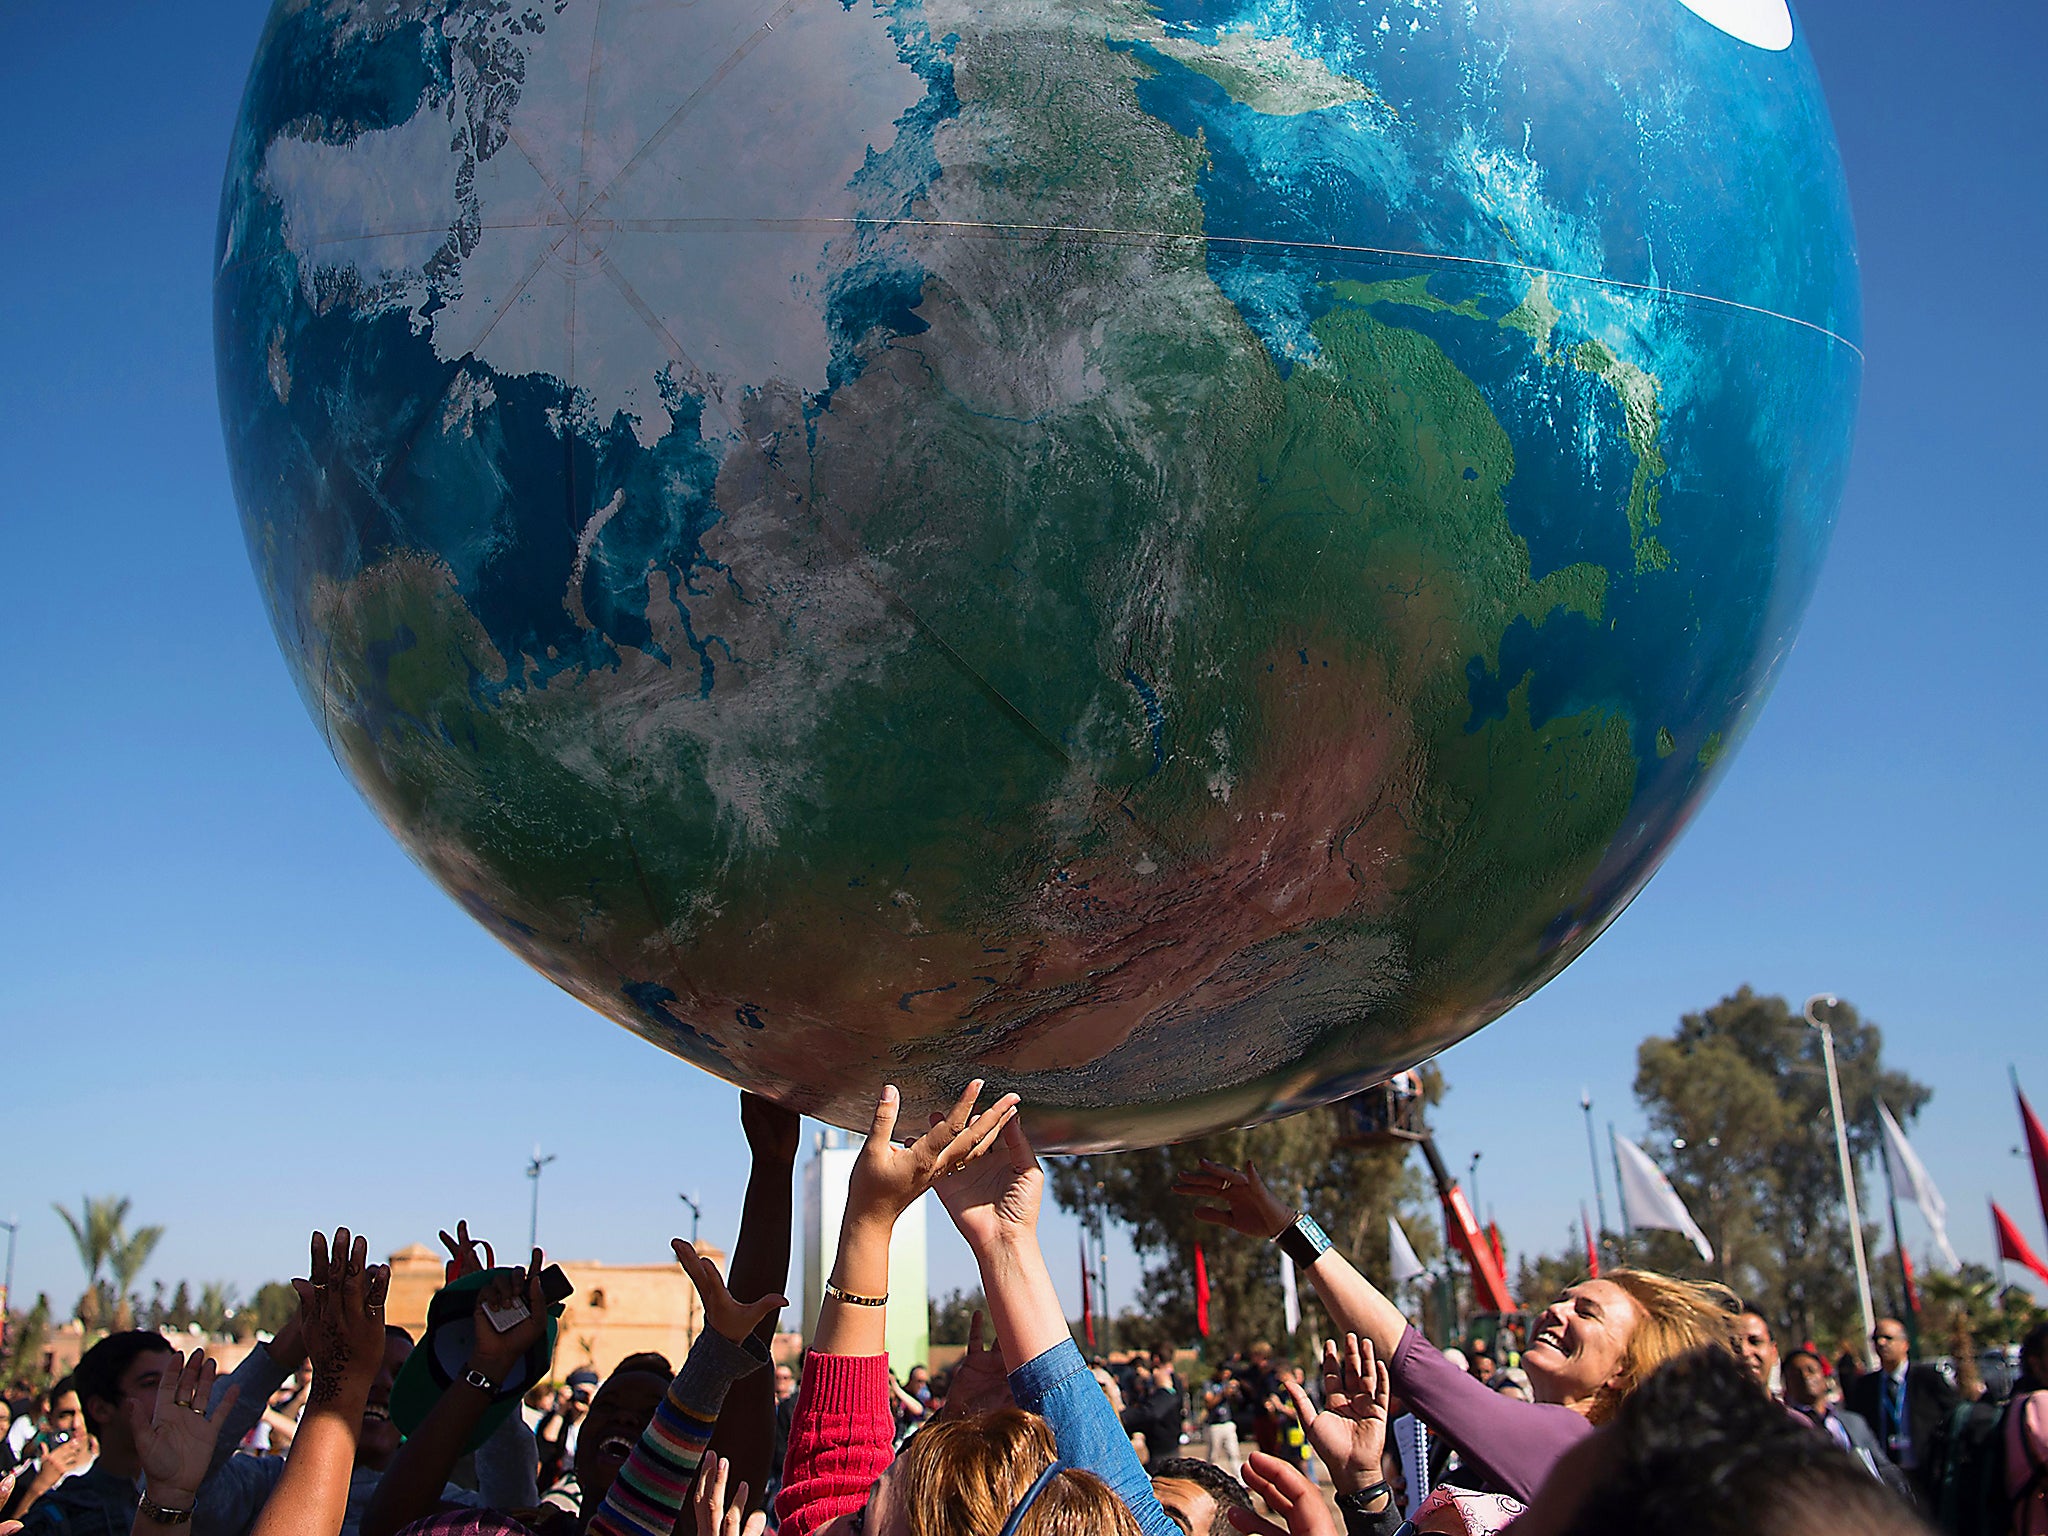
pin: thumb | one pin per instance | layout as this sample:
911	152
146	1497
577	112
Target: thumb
760	1311
886	1108
1251	1525
1302	1405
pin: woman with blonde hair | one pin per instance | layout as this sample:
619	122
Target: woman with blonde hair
1587	1351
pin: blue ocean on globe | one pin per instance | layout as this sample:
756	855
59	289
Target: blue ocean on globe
1180	557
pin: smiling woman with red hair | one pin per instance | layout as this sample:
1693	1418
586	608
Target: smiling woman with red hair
1587	1350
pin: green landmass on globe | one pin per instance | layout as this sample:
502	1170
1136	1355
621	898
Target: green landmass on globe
1181	558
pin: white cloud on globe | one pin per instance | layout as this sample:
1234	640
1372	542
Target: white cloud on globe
1760	23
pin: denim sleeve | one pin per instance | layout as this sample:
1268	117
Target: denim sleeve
1058	1386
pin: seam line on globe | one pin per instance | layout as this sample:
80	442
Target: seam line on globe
811	225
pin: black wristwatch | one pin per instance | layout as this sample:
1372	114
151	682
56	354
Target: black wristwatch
1360	1521
1303	1241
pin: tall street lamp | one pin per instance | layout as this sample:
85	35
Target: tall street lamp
13	1227
533	1169
1814	1004
696	1216
1593	1152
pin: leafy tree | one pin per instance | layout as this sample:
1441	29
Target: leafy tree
216	1307
952	1314
1737	1101
27	1333
1350	1190
125	1262
274	1305
1542	1277
181	1314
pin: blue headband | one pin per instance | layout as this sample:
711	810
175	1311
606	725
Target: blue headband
1031	1496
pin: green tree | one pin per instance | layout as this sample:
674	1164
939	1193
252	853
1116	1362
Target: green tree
953	1313
125	1262
181	1314
95	1231
216	1308
1351	1190
274	1304
1737	1102
27	1333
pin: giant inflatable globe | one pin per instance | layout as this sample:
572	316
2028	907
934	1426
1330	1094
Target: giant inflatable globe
1179	556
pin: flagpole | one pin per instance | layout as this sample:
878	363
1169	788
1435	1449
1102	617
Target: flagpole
1906	1297
1620	1190
1827	1051
1593	1155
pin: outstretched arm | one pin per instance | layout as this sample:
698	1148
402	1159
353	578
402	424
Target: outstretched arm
840	1436
648	1493
994	1202
1238	1199
341	1310
745	1437
411	1486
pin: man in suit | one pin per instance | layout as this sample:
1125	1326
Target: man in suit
1903	1402
1806	1394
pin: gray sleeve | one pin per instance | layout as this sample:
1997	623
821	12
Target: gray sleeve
508	1466
258	1376
234	1494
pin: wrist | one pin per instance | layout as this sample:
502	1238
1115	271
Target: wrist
169	1495
495	1367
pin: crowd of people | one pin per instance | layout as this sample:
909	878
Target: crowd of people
1634	1402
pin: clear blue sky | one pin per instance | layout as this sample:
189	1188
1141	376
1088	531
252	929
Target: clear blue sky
224	992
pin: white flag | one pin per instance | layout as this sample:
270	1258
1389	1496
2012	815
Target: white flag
1649	1200
1402	1262
1290	1298
1911	1182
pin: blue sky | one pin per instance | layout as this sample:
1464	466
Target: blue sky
225	992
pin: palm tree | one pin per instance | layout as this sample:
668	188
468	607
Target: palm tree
130	1256
97	1232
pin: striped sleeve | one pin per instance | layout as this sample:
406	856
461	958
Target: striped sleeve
654	1484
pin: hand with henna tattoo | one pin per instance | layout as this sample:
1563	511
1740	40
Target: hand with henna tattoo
341	1309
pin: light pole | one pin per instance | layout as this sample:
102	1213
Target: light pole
533	1169
1814	1004
13	1226
696	1215
1593	1152
1472	1178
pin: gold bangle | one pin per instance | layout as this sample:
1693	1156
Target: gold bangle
852	1300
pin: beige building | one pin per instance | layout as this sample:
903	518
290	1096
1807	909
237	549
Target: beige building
617	1309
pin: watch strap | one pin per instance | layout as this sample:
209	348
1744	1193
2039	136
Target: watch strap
1303	1240
472	1377
158	1514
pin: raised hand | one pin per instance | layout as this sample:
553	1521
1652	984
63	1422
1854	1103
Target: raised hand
1245	1204
462	1255
980	1381
174	1440
495	1353
1350	1434
735	1320
715	1514
995	1198
887	1178
1289	1495
772	1132
341	1309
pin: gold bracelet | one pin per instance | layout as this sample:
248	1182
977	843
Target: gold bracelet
852	1300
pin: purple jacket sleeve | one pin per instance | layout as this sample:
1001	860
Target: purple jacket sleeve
1512	1444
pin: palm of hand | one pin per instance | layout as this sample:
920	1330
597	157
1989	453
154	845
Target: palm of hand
1350	1432
174	1450
994	1194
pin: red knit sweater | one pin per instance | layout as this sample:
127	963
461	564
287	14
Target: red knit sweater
840	1441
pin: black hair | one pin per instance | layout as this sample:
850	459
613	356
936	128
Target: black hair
1699	1450
1226	1490
2032	1345
393	1331
100	1369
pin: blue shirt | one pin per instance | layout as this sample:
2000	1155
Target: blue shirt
1059	1387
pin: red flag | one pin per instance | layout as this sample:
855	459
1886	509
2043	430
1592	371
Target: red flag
1912	1290
1500	1252
2037	1146
1087	1298
2011	1245
1592	1249
1201	1292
